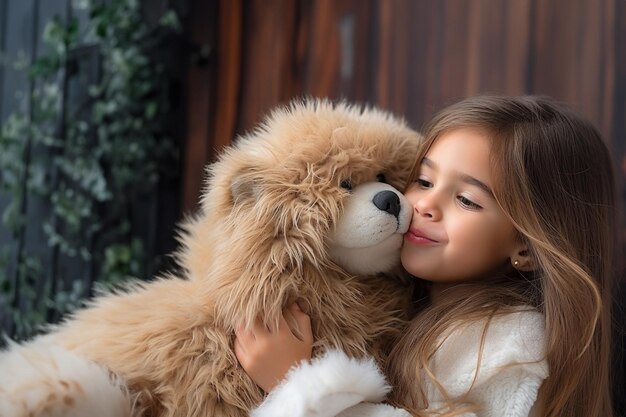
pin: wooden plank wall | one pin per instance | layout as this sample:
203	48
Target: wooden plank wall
21	27
408	56
22	24
411	57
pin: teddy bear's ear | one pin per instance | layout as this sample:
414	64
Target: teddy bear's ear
244	188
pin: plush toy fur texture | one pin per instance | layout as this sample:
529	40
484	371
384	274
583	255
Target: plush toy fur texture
46	380
259	243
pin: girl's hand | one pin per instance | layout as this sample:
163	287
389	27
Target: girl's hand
267	356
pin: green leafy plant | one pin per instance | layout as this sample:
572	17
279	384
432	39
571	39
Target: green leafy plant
89	159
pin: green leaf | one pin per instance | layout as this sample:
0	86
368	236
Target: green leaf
44	66
170	20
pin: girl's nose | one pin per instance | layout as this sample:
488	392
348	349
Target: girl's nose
427	207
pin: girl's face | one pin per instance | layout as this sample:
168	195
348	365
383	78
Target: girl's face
458	232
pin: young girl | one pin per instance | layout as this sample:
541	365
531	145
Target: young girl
512	228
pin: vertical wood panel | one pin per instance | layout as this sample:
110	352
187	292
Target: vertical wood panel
228	73
610	17
199	88
357	85
415	56
590	50
397	77
456	49
555	49
461	69
25	23
270	39
18	40
392	65
383	62
4	238
323	72
3	24
491	49
517	47
25	14
573	56
337	58
58	266
616	77
473	35
427	71
619	154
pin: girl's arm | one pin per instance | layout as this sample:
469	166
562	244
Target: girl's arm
331	385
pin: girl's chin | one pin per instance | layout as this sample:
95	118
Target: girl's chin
418	265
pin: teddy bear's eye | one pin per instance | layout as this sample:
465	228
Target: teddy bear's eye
381	178
347	184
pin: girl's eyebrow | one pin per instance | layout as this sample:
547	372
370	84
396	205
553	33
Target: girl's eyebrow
475	181
468	179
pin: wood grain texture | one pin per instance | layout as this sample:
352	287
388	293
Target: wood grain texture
200	81
413	57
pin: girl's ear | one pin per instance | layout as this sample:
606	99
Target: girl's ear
522	261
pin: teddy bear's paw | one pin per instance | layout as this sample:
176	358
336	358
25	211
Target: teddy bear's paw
374	410
39	380
325	387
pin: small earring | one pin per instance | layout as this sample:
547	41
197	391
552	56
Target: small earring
516	263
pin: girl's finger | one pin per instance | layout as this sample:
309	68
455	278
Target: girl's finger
246	335
304	323
289	325
259	328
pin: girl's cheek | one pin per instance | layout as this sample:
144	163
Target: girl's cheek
412	195
462	230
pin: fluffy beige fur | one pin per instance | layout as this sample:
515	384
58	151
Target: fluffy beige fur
258	243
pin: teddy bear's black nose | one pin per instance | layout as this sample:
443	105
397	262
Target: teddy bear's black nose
387	201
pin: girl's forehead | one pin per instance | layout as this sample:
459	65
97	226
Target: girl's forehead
462	151
458	141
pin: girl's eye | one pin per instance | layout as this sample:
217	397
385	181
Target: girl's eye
424	183
466	202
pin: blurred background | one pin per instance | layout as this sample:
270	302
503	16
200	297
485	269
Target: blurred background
110	110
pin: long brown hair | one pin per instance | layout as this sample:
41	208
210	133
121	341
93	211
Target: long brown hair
554	180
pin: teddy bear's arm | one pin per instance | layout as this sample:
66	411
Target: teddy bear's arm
38	379
373	410
331	385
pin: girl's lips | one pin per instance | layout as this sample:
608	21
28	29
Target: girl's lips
418	237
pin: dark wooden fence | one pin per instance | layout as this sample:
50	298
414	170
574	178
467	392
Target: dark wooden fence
21	27
409	56
151	217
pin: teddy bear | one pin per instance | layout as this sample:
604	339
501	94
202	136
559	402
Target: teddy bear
304	208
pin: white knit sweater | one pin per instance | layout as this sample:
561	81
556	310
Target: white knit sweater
512	368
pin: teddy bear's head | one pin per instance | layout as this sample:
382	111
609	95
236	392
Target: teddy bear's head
314	186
